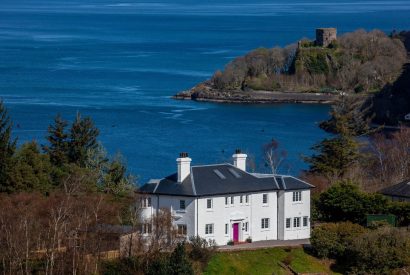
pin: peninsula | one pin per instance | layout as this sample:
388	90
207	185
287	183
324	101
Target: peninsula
357	63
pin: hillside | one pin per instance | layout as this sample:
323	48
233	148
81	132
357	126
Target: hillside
393	102
356	63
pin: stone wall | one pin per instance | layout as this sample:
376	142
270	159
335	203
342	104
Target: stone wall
325	36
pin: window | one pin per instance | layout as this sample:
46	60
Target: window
265	198
241	199
209	229
296	222
297	196
288	223
226	228
182	204
232	199
146	228
246	226
305	221
247	199
226	200
265	223
146	202
182	229
209	203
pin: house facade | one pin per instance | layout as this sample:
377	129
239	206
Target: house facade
224	202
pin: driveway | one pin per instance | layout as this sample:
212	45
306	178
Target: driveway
264	244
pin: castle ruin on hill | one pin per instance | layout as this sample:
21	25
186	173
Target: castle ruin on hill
325	36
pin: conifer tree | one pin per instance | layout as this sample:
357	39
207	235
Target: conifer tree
178	261
58	139
7	148
83	137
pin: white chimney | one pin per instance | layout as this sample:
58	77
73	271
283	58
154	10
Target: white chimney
239	160
184	166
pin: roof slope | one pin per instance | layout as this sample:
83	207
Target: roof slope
401	189
220	179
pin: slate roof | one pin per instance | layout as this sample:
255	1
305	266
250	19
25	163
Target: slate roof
401	189
220	179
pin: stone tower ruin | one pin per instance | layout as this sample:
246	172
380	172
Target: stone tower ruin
325	36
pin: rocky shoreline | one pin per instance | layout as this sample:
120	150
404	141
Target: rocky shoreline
255	97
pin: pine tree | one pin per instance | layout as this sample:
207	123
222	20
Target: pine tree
334	156
58	139
7	148
349	115
83	137
178	261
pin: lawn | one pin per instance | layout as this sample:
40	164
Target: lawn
265	261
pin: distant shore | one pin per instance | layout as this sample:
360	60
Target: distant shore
256	97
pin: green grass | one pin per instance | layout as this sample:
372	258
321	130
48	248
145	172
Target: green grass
264	261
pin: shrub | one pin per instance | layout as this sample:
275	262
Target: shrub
379	251
200	249
230	242
330	240
249	240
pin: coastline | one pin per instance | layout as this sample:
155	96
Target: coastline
256	97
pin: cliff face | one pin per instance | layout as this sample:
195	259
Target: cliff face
393	102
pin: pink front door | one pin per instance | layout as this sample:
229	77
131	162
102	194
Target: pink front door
236	232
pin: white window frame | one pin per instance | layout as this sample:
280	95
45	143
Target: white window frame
246	226
241	199
265	223
297	196
146	202
288	223
146	228
207	204
182	229
226	229
305	221
247	199
232	200
296	222
265	199
182	202
209	229
226	201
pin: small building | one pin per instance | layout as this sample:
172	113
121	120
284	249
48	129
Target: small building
407	117
224	202
325	36
398	192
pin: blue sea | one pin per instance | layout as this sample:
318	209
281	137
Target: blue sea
120	61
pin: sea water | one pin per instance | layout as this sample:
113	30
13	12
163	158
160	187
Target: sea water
120	61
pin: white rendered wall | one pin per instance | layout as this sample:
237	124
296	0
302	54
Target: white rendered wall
253	212
291	210
180	216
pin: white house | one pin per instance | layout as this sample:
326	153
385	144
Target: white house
225	202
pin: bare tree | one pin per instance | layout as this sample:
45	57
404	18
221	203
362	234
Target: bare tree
273	156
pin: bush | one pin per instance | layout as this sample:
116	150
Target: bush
249	240
178	262
230	242
379	251
200	249
330	240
